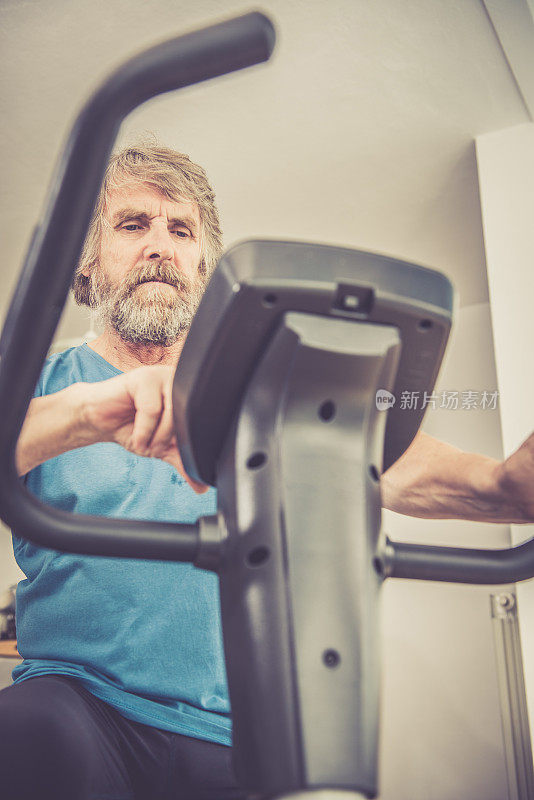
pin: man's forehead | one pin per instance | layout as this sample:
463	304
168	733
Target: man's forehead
148	201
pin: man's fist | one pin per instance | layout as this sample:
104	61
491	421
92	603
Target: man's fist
135	410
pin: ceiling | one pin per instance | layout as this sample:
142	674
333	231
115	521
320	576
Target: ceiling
360	131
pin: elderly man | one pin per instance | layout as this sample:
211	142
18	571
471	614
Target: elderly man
122	691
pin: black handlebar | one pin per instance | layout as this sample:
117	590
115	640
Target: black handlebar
456	564
54	252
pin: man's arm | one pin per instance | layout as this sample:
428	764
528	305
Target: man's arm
52	426
133	409
434	480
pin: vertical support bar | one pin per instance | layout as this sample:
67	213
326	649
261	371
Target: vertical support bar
514	715
299	490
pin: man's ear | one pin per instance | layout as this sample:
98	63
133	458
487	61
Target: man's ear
82	286
88	270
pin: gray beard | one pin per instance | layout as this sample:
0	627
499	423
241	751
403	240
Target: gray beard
160	318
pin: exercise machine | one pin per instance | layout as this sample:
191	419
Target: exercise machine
288	401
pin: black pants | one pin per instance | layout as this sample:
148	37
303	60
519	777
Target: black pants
59	742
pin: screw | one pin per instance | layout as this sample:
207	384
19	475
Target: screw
506	601
331	658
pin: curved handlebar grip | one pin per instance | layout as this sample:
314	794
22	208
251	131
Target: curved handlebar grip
456	564
54	252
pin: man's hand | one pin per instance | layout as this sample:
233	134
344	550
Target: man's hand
135	410
515	479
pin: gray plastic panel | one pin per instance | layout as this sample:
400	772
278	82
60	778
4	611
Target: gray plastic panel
258	281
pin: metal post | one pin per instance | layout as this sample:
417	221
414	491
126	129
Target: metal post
514	715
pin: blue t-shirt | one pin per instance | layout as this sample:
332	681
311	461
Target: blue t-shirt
144	636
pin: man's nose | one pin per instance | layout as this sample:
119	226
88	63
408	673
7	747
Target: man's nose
159	244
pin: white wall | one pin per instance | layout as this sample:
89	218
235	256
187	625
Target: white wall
506	175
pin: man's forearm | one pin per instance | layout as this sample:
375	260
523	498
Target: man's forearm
133	410
52	426
435	480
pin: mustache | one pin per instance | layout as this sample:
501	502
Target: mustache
162	271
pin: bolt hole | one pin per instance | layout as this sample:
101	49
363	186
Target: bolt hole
378	565
374	473
331	658
327	411
256	460
269	300
258	556
425	324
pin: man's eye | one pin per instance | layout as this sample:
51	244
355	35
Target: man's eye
180	232
132	226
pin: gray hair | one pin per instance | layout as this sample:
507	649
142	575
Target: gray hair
176	177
